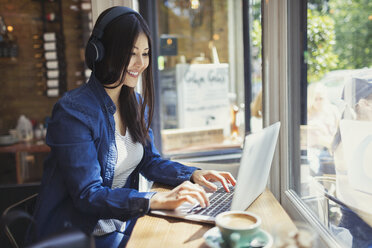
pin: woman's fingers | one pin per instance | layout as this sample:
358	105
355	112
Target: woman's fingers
208	184
216	176
229	178
223	181
205	177
196	191
195	195
185	198
190	192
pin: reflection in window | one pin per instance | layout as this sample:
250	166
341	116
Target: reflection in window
336	142
201	77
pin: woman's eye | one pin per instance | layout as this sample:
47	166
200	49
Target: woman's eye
145	54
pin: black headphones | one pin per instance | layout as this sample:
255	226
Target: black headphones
94	52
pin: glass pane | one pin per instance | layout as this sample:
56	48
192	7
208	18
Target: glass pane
256	65
201	75
336	140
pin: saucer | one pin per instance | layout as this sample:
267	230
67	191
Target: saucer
214	240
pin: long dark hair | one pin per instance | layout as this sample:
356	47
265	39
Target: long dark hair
118	40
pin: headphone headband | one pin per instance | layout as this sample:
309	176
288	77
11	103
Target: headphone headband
95	51
111	15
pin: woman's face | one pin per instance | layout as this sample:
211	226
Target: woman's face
139	61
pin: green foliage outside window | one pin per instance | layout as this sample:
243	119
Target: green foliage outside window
320	56
353	28
339	36
256	39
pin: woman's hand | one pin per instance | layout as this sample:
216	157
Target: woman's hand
205	177
185	192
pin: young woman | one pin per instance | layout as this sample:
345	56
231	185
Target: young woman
101	142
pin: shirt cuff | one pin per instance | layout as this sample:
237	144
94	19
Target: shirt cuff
148	196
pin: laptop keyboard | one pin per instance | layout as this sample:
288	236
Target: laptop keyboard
220	201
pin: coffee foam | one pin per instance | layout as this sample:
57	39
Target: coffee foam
237	220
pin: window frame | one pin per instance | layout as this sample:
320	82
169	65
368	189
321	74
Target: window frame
148	9
284	41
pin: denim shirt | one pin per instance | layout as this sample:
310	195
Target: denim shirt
78	173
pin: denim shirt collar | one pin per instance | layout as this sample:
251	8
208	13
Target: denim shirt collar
109	107
98	89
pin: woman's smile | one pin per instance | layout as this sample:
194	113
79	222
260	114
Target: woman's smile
139	60
133	73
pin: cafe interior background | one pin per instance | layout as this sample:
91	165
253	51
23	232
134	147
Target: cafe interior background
224	69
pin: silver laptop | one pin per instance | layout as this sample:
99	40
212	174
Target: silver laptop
255	164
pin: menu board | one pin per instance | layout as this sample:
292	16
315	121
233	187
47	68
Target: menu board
202	91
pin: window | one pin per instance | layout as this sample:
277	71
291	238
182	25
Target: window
324	75
335	173
201	75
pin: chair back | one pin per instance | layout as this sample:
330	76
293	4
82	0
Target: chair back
16	219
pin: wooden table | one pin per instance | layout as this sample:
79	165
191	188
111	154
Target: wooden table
152	231
20	148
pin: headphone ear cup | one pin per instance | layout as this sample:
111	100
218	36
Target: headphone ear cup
94	52
100	49
90	54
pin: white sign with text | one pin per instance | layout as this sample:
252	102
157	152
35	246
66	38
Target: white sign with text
202	91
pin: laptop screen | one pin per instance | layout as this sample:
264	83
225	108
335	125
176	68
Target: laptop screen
255	164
